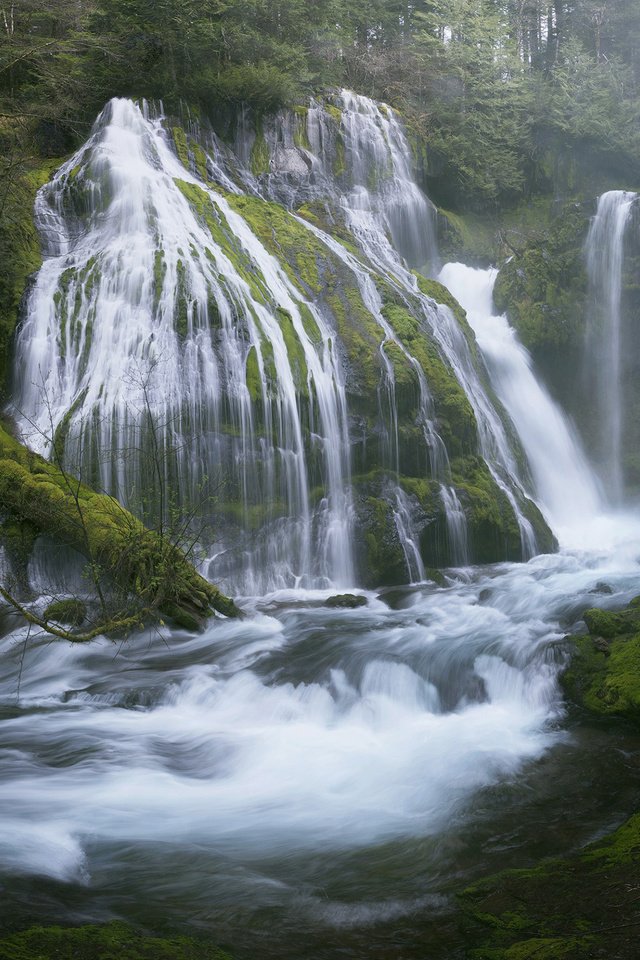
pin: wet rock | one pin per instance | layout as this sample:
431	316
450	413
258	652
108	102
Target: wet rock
346	600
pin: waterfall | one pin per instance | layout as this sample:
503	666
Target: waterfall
605	256
171	356
139	318
378	207
563	480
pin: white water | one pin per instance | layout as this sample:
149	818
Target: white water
242	770
605	255
564	483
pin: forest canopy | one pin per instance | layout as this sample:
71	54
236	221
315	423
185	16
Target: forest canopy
502	91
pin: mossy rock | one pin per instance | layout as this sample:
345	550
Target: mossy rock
113	941
379	554
584	905
604	673
20	253
141	562
347	601
543	286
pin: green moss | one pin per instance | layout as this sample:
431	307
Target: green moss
19	251
214	220
334	112
252	376
140	561
114	941
260	159
580	906
159	273
380	554
300	137
295	350
339	160
71	611
455	417
604	673
180	141
322	214
297	249
200	159
543	285
181	317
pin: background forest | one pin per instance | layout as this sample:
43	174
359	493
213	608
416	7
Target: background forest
505	92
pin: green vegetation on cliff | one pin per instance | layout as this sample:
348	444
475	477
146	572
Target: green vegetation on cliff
543	285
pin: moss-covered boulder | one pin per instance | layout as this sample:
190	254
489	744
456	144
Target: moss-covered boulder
144	565
604	673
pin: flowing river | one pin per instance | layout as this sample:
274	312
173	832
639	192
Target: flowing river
311	781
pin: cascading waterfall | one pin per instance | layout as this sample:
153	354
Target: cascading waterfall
563	480
162	337
605	256
119	334
383	187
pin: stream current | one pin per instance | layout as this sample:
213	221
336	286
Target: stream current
312	782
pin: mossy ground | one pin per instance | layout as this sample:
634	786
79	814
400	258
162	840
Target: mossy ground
113	941
575	908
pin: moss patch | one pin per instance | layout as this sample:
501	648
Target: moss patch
604	673
581	906
19	252
114	941
69	611
543	285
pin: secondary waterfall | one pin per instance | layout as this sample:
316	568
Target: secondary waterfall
563	479
605	256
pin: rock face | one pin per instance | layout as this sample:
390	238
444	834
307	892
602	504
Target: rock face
561	299
243	320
